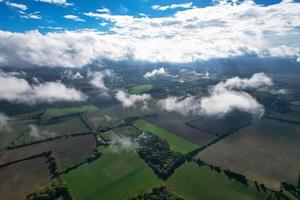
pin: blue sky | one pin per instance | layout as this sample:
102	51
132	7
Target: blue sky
52	15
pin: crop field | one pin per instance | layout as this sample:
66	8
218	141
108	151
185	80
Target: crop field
175	123
68	125
141	89
58	112
67	151
177	144
267	152
292	117
117	174
128	131
17	128
20	179
195	183
109	136
223	125
108	117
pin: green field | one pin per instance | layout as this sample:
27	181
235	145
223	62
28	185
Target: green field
197	183
109	135
58	112
117	174
141	89
177	144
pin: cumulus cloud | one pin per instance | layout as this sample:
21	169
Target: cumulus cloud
258	80
172	6
223	98
74	18
38	134
20	91
68	74
196	34
156	72
97	78
133	100
4	122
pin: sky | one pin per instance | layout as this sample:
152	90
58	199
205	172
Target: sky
73	33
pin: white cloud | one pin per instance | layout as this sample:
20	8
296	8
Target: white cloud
258	80
16	5
58	2
38	135
68	74
74	18
222	98
103	10
20	91
156	72
34	15
97	78
196	34
4	122
132	100
172	6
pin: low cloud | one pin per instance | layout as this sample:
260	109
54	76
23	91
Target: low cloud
126	143
20	91
4	123
68	74
223	98
16	5
97	78
133	100
57	2
38	135
156	72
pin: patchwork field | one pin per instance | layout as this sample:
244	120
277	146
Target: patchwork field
67	151
109	136
223	125
292	117
117	174
67	125
141	89
268	152
175	123
58	112
20	179
177	144
17	128
128	131
195	183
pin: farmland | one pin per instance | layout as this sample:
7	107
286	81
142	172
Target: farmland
67	151
20	179
177	144
118	174
175	124
204	183
141	89
267	152
51	113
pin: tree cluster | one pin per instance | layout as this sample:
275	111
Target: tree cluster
157	193
157	154
57	190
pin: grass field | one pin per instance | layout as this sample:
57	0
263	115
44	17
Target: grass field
177	144
175	123
117	174
197	183
268	152
66	125
128	131
141	89
58	112
67	151
109	135
20	179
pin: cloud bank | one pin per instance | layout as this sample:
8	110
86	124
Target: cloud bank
134	100
18	90
223	98
197	34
